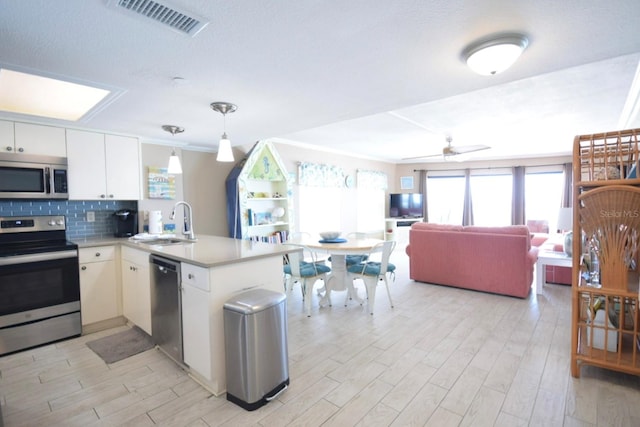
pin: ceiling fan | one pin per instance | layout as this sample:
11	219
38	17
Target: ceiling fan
450	151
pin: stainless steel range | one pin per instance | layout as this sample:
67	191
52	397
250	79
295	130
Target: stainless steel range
39	283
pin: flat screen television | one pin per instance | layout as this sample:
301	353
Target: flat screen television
405	205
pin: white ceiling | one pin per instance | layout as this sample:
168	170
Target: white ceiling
379	79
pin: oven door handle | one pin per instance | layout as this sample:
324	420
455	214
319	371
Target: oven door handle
48	256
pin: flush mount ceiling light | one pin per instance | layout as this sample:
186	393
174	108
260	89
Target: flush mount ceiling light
225	154
493	56
174	167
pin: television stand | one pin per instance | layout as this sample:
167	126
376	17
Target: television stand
397	228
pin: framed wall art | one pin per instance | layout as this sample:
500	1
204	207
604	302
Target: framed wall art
406	183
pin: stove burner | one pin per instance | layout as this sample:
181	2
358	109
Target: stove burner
33	234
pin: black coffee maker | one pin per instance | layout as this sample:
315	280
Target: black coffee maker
125	223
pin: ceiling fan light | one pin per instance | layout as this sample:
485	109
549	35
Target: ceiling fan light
225	154
174	167
496	55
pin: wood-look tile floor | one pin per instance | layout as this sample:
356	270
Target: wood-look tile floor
441	357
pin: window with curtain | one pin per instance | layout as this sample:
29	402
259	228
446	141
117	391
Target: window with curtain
491	195
445	198
320	197
320	209
370	198
370	209
543	194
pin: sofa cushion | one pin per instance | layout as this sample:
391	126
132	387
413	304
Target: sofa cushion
508	229
538	239
516	230
432	226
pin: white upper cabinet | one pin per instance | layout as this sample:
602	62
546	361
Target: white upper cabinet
86	163
7	136
123	166
103	166
28	138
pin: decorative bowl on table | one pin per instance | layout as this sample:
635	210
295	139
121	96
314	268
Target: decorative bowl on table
330	235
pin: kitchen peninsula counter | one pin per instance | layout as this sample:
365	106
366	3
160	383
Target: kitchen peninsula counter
213	270
212	251
207	251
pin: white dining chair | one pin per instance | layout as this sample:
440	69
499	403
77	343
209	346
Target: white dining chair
355	258
294	238
374	270
306	270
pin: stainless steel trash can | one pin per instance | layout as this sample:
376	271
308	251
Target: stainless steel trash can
257	359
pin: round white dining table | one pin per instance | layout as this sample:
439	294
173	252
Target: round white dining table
338	279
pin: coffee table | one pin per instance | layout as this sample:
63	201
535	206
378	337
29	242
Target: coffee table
549	258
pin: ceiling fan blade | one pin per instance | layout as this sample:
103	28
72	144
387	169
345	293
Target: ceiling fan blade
422	157
469	148
451	151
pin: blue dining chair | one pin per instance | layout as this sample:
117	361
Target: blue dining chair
306	270
372	271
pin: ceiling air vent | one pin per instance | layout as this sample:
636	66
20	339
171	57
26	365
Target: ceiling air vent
162	13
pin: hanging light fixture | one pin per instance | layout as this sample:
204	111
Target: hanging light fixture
174	167
225	154
493	56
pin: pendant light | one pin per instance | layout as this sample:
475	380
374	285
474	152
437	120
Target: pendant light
493	56
174	167
225	154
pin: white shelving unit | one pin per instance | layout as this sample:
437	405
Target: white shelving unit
398	229
263	191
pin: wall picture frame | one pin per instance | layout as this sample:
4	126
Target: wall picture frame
161	184
262	218
406	183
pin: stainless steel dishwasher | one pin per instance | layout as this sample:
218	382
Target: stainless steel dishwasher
166	303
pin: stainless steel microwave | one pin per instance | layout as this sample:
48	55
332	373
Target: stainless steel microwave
25	176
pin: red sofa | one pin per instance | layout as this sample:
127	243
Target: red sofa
491	259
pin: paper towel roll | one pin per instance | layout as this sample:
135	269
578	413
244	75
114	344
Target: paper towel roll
155	222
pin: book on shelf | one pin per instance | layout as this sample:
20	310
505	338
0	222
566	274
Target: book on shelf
262	218
275	237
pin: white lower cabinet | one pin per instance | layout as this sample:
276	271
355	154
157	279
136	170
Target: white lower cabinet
196	323
98	284
136	287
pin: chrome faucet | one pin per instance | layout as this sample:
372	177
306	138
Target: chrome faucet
188	220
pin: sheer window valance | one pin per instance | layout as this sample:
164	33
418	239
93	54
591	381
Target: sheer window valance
319	175
374	180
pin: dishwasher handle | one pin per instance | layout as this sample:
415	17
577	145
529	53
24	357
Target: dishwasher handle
165	265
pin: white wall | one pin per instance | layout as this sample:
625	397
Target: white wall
201	185
158	156
204	188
